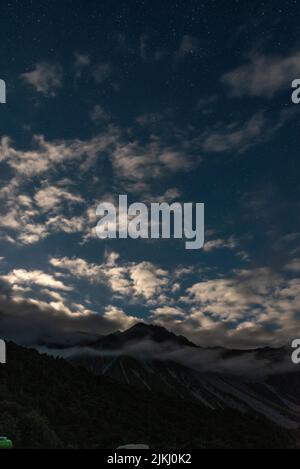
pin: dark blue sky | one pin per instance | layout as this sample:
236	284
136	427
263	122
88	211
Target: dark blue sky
164	101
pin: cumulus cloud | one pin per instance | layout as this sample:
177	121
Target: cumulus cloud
117	315
250	308
148	280
125	279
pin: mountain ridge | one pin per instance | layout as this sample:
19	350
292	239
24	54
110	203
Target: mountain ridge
48	403
150	357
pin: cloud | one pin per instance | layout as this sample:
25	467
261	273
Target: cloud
263	75
78	267
168	311
34	277
137	165
65	332
252	307
148	280
240	137
47	155
220	243
293	265
54	295
46	78
32	233
219	297
118	278
23	214
125	279
24	217
19	219
239	310
36	322
111	258
25	228
117	315
51	197
245	308
255	364
60	223
98	114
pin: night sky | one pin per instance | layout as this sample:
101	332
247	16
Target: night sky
164	101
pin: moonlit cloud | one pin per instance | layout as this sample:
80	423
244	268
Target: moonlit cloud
239	137
49	198
125	279
34	277
148	280
220	243
45	78
112	313
263	75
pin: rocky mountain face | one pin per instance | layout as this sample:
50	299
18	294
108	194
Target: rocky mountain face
150	386
260	382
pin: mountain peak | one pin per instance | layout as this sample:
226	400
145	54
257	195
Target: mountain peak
138	333
139	325
155	333
142	326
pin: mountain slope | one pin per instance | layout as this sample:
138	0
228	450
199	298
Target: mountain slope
46	402
152	358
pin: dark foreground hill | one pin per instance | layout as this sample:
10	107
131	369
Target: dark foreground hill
46	402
